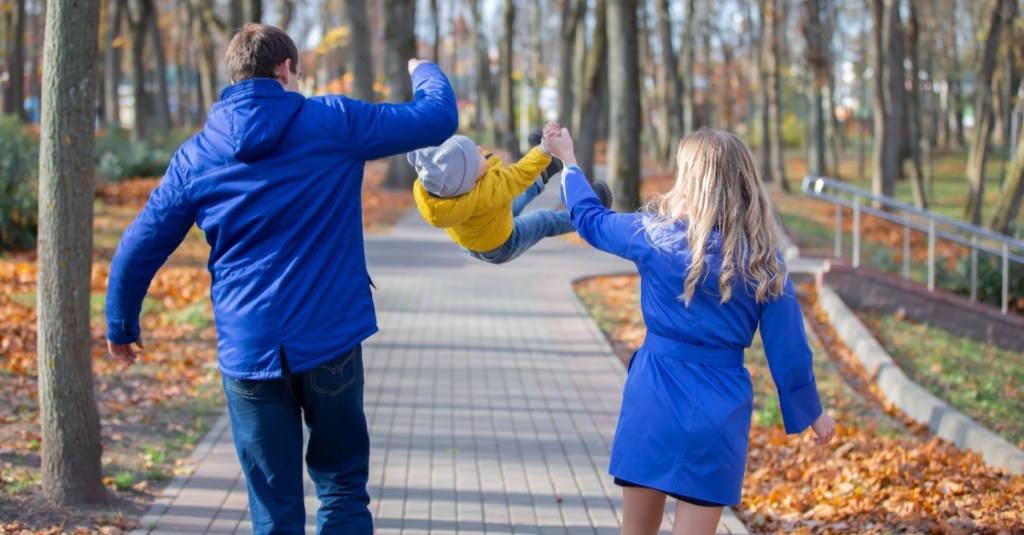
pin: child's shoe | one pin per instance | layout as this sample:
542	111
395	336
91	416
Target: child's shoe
603	192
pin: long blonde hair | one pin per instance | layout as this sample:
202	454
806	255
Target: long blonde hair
717	187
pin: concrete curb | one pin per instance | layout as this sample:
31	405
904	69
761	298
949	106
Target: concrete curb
911	398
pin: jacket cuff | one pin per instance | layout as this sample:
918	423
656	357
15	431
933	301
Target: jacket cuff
800	408
120	332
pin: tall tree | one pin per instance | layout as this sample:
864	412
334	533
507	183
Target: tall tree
920	146
139	27
978	151
593	96
435	15
160	102
361	53
400	44
572	13
485	111
506	84
1013	184
71	467
688	58
670	103
818	61
889	95
204	22
16	61
112	64
774	23
624	104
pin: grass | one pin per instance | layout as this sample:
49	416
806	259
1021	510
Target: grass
982	380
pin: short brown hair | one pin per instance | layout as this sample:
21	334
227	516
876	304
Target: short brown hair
257	49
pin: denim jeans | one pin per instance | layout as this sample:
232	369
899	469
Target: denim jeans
527	229
266	421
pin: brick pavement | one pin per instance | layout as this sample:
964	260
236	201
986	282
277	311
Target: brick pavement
491	397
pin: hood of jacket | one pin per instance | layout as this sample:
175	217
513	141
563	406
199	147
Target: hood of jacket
252	116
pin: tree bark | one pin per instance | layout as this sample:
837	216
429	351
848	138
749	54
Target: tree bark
361	50
978	152
689	47
287	8
507	117
1013	186
763	97
69	420
920	149
817	60
595	82
624	100
206	61
671	105
400	41
139	27
15	97
889	92
435	15
572	13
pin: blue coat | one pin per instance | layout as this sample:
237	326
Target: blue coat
274	180
688	399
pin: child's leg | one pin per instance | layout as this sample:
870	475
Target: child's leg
695	519
642	510
525	197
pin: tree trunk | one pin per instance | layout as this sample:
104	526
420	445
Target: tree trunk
572	12
1013	186
773	25
112	66
435	15
918	139
689	47
162	100
183	94
139	28
485	111
287	8
579	66
978	151
69	420
362	51
595	80
206	60
708	28
14	99
888	95
254	11
400	44
507	117
671	105
817	61
763	97
624	100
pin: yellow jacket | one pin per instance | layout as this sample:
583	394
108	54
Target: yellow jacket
481	219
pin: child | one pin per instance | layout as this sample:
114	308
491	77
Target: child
710	276
478	201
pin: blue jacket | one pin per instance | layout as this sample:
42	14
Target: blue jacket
274	180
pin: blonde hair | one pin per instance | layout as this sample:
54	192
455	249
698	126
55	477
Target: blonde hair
717	187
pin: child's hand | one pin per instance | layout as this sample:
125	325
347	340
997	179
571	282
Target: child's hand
559	142
824	428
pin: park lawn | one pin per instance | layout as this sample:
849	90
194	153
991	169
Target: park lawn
152	413
883	473
984	381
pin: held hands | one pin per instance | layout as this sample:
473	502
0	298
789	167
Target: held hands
124	353
559	143
415	62
824	429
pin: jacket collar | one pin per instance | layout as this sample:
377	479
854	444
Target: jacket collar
251	86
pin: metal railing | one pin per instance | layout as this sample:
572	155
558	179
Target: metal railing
975	238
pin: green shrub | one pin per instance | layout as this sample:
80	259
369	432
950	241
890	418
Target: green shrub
990	279
119	158
19	158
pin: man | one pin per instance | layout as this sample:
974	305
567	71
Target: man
274	181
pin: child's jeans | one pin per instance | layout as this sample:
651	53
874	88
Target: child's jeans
527	229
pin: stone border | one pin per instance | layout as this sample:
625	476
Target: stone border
911	398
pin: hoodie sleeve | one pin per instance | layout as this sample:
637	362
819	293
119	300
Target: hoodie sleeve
789	360
147	242
379	130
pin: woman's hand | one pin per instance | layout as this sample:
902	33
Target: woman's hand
824	428
559	143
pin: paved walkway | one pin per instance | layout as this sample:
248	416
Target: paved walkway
491	396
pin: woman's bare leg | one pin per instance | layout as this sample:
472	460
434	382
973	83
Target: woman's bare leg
642	510
695	520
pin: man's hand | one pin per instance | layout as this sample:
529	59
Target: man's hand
413	63
124	353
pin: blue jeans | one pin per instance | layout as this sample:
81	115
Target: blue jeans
527	229
266	421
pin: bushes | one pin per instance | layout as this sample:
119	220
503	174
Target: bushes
990	280
19	158
119	158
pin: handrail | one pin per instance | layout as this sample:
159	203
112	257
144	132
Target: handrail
910	217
